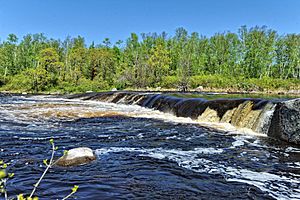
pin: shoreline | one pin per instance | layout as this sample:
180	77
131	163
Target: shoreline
207	94
295	93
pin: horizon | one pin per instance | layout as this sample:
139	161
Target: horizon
117	19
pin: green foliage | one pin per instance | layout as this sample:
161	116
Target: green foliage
159	64
211	81
21	197
4	177
256	58
83	86
170	82
242	83
20	82
74	190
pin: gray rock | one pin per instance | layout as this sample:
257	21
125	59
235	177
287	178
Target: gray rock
285	123
199	88
77	156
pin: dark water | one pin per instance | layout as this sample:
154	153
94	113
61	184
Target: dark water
141	154
212	96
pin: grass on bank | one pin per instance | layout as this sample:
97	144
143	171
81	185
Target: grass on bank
218	82
214	83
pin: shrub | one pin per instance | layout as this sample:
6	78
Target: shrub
169	82
19	82
83	86
211	81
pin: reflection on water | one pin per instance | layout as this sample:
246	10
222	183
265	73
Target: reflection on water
141	153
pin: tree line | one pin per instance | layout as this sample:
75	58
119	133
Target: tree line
37	63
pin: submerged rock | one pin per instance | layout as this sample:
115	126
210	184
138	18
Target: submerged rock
285	123
77	156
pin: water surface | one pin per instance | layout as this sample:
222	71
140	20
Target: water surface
141	154
211	96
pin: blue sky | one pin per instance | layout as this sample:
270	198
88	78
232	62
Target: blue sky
116	19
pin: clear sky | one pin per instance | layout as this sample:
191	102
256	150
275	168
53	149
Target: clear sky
116	19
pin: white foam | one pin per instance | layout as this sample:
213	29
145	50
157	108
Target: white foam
44	138
292	149
271	183
275	185
172	137
238	143
42	108
187	159
241	140
193	152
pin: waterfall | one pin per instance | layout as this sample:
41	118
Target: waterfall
280	120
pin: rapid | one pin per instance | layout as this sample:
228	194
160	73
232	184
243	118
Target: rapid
142	152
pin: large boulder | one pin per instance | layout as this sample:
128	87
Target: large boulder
77	156
285	123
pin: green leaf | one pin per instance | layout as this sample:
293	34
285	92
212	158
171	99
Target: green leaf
10	175
75	188
2	174
51	141
21	197
45	162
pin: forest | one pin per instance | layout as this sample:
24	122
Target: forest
252	59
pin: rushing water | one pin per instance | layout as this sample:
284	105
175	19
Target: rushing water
141	154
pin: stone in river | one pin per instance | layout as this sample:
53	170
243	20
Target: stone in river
77	156
285	123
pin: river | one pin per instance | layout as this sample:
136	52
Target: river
141	153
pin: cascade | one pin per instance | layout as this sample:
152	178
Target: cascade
277	119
